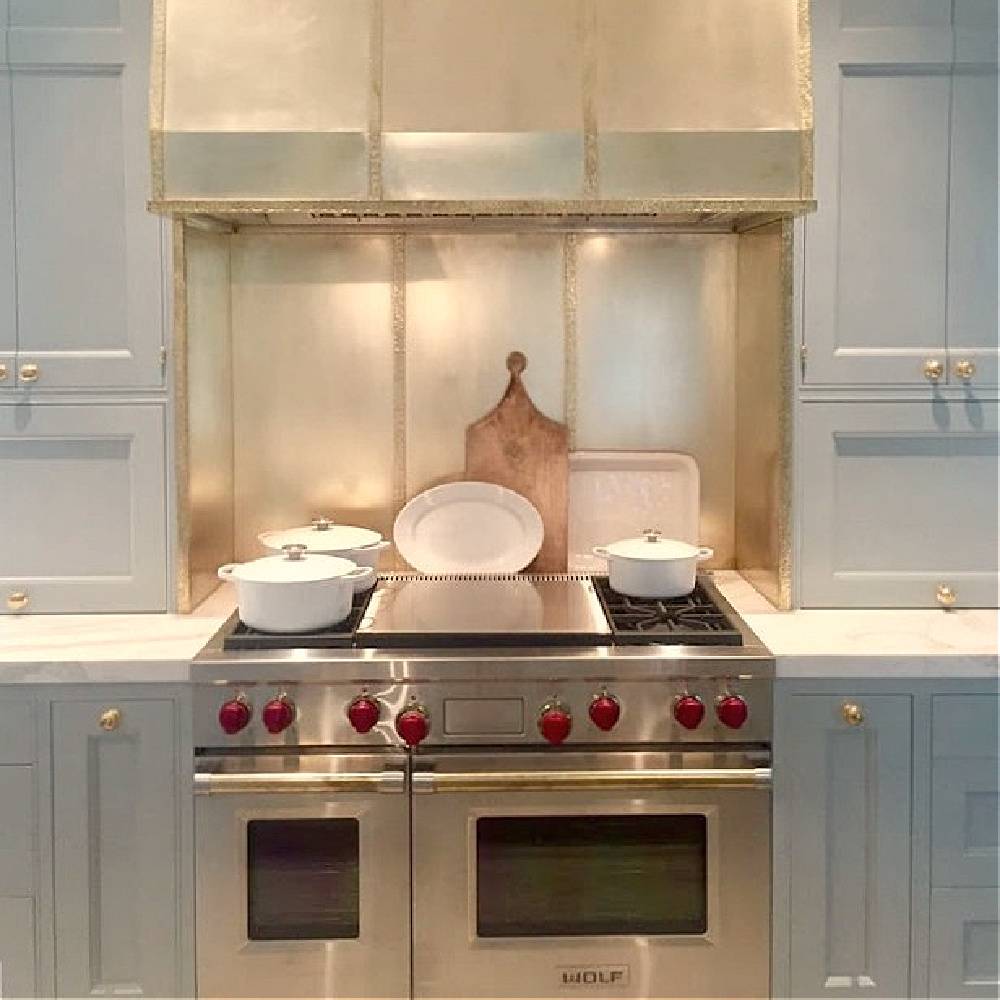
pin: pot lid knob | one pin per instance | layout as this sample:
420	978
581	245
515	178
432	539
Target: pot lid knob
652	534
294	550
322	523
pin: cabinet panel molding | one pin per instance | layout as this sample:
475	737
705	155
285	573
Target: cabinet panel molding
17	947
849	846
116	840
963	946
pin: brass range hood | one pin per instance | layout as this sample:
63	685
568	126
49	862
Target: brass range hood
664	114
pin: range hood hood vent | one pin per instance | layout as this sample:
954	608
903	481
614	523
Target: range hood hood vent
403	112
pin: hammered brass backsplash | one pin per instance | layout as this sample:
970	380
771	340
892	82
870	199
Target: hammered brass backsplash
355	362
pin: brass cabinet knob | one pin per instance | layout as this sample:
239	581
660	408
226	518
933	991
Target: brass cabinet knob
933	369
110	720
965	369
3	371
28	373
853	715
17	601
946	597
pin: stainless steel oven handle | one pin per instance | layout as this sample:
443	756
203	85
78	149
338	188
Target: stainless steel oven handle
548	781
298	782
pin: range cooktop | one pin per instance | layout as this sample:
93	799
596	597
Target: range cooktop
440	612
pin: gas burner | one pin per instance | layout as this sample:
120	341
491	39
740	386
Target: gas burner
338	636
693	619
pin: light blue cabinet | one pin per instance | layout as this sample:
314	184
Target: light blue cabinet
81	284
885	838
121	847
842	771
84	507
901	256
965	847
898	503
19	848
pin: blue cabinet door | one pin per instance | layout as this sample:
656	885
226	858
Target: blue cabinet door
84	502
116	787
898	502
84	254
901	256
844	764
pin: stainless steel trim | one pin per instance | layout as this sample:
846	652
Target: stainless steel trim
298	782
537	781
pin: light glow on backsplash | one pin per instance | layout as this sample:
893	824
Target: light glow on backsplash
639	354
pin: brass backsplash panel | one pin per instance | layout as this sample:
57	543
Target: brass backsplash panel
353	363
763	408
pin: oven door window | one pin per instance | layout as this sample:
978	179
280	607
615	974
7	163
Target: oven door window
542	876
302	879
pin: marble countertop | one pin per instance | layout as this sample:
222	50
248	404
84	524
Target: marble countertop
869	643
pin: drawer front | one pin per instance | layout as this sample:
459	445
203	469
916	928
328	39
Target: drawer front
964	839
17	830
965	725
963	946
17	733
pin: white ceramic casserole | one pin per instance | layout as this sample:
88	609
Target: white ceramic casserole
652	566
361	546
298	591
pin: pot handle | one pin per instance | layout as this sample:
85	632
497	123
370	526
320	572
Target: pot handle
600	550
359	573
226	572
705	553
374	546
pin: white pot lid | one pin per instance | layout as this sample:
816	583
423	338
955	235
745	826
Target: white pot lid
294	565
321	536
652	547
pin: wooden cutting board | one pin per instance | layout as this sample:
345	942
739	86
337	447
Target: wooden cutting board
517	446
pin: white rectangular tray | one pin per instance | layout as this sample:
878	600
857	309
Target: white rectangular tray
615	495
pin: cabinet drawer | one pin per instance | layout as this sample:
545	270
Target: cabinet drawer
17	733
17	830
964	841
964	725
963	946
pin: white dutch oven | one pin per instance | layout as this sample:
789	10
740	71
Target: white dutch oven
361	545
652	566
296	592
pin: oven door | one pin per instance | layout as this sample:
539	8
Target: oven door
591	875
302	866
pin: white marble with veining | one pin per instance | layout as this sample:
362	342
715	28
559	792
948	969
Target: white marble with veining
108	648
848	643
870	643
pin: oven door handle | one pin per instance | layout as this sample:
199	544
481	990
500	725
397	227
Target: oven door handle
551	781
298	782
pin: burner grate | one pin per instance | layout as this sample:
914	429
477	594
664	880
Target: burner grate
338	636
693	619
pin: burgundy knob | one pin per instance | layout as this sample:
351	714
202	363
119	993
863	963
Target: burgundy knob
278	715
363	713
413	725
554	723
604	712
731	710
234	716
689	710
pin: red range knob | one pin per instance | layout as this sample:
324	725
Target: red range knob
689	710
413	725
604	712
277	715
555	723
234	716
731	710
363	713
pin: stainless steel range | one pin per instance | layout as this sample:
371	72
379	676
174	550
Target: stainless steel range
487	787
